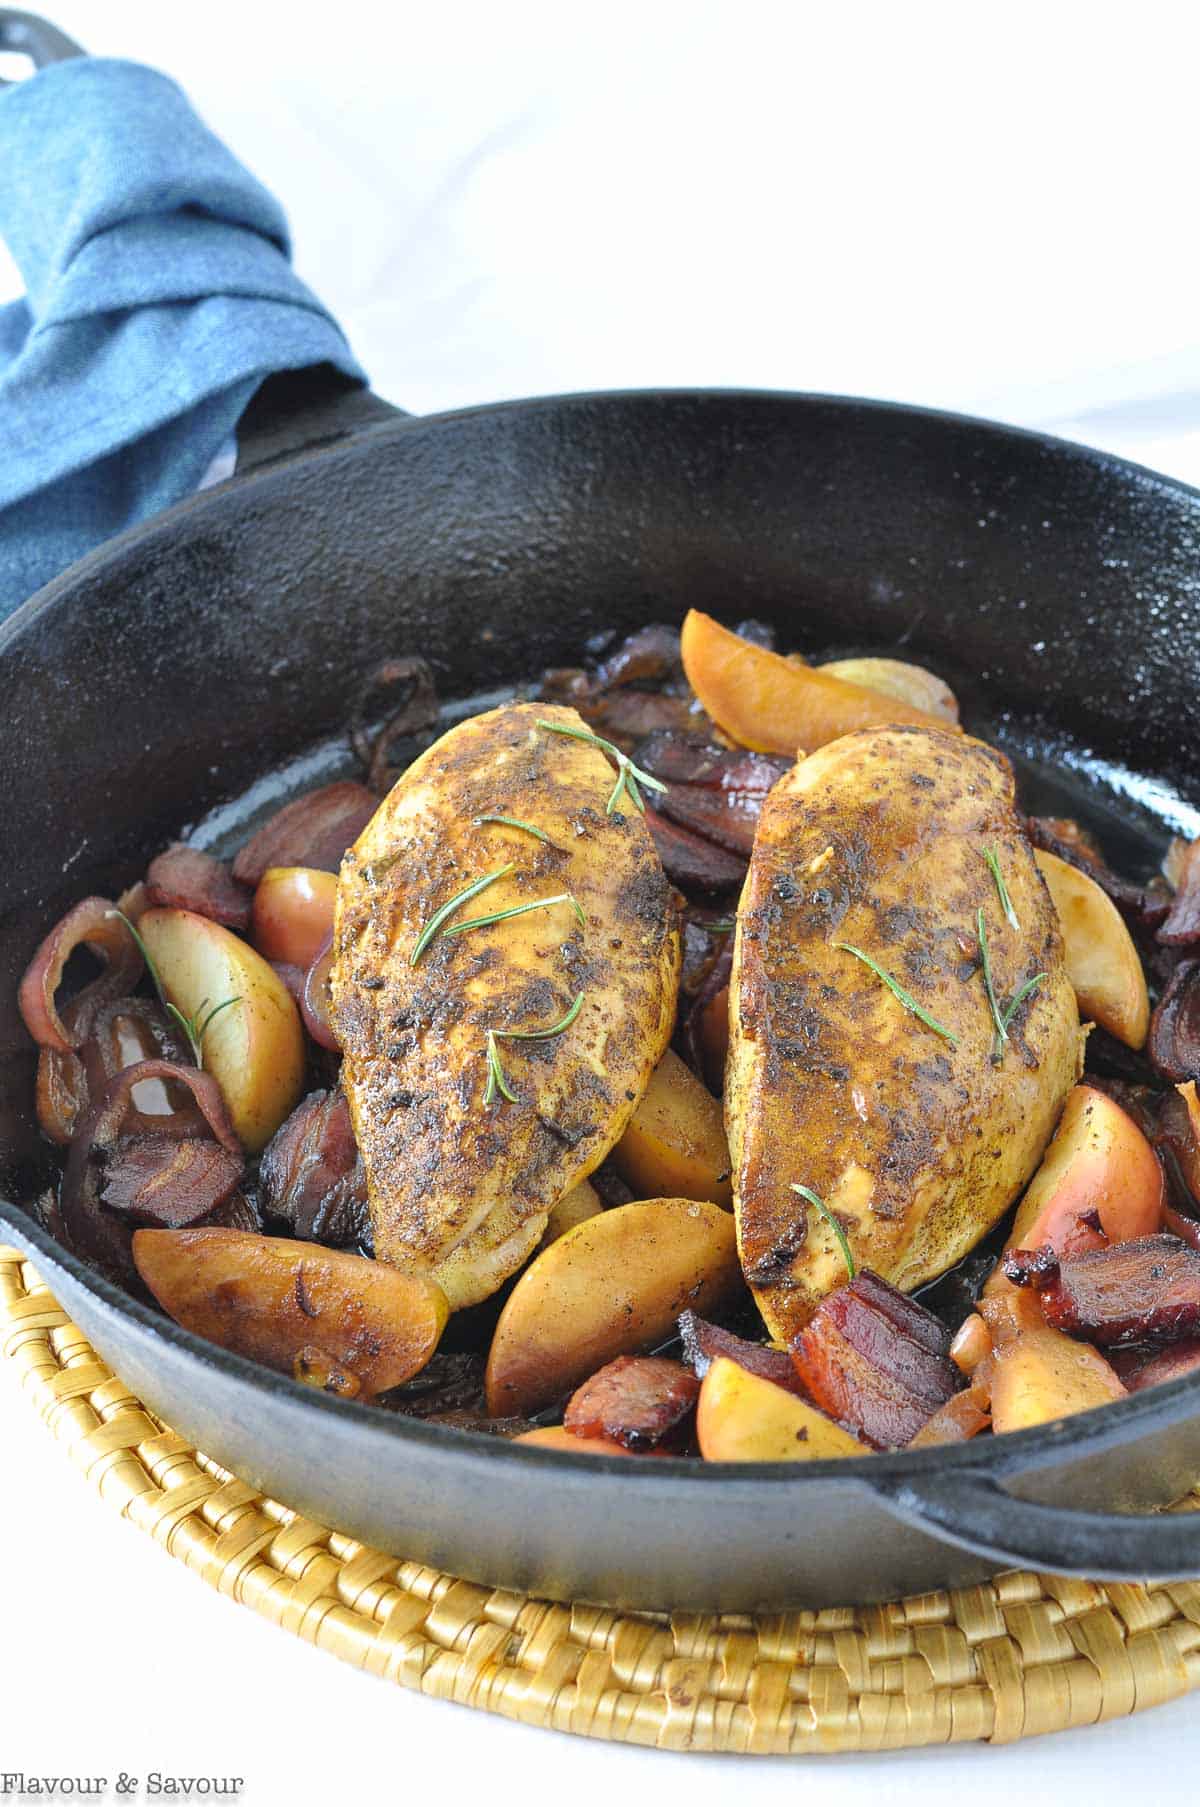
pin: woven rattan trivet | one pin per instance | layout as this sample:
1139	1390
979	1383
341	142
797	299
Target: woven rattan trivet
1023	1654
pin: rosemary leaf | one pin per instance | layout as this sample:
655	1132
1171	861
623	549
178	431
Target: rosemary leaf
629	776
192	1028
497	1084
541	1035
216	1010
1006	902
997	1019
512	822
1029	985
897	990
435	922
522	909
496	1080
724	926
806	1192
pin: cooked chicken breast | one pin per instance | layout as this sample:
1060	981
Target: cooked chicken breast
461	1183
917	1143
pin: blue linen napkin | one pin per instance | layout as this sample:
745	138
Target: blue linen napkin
158	297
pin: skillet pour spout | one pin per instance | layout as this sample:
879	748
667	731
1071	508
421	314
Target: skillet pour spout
1055	589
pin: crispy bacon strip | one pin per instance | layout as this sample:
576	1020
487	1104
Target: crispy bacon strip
692	862
637	1400
311	1178
716	791
1145	1291
310	831
183	878
704	1342
876	1361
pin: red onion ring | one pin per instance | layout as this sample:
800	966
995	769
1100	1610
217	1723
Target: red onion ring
92	924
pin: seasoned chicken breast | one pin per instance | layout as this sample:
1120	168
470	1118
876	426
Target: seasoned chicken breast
916	1140
461	1177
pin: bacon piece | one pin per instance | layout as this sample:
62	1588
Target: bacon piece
636	1400
1142	906
649	656
704	1342
95	925
1131	1292
876	1361
1174	1040
716	791
311	1178
184	878
692	862
159	1181
1182	926
310	831
1168	1364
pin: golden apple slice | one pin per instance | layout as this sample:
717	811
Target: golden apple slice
293	913
255	1048
1099	1182
896	677
575	1206
741	1417
295	1306
674	1145
556	1436
1102	962
1041	1375
614	1285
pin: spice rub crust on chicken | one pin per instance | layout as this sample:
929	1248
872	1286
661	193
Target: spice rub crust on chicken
916	1142
460	1183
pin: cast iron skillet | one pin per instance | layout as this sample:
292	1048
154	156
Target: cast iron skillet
1055	588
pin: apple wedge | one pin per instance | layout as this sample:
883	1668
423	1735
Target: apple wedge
1102	962
763	701
575	1206
1099	1182
674	1144
255	1048
556	1436
1041	1375
912	684
292	916
295	1306
741	1417
614	1285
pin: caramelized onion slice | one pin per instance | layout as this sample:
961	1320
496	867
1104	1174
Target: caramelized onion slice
112	1112
310	831
314	1003
1173	1044
690	861
1182	926
311	1178
92	924
183	878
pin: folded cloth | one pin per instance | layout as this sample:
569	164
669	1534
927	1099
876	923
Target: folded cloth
158	297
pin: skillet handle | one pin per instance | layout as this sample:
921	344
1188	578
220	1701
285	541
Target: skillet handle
27	35
297	410
972	1511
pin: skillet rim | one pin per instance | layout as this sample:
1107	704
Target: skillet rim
1016	1453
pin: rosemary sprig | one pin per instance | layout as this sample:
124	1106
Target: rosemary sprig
496	1080
725	925
194	1030
993	1006
897	990
1006	903
806	1192
522	909
1029	985
512	822
435	922
629	776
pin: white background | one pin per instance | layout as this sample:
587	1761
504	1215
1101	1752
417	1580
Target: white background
990	209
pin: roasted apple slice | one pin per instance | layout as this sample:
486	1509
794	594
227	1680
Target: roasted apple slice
765	702
556	1436
611	1286
1040	1375
254	1047
575	1206
741	1417
293	1306
1099	1182
293	913
1102	962
674	1144
897	678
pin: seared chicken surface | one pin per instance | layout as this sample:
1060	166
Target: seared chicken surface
461	1183
917	1142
